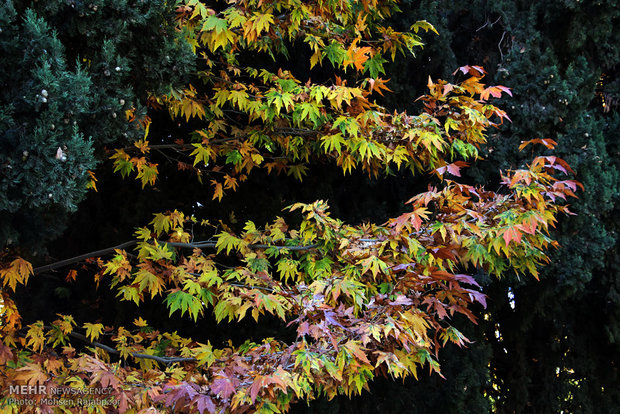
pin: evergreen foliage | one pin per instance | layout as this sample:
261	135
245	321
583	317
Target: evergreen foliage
71	70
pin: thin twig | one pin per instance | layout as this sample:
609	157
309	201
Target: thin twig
499	46
487	23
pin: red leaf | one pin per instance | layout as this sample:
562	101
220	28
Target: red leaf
512	233
401	221
223	387
529	226
454	170
478	297
467	279
505	89
5	354
477	71
440	308
255	387
401	300
403	266
416	221
204	402
124	403
302	329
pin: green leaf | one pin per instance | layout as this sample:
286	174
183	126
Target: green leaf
215	23
423	24
335	53
234	157
124	166
375	65
185	302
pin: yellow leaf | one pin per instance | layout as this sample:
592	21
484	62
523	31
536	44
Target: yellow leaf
18	272
71	275
147	174
315	58
140	323
142	145
31	374
261	22
93	330
148	280
36	336
161	223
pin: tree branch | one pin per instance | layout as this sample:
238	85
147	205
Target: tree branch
109	349
81	257
196	245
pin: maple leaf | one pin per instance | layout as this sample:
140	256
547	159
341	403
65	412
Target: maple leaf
223	387
423	24
93	330
105	378
357	56
454	168
185	302
511	233
140	323
5	353
142	145
147	280
401	300
255	388
467	279
261	22
226	241
379	85
218	191
31	373
161	223
355	348
147	173
417	216
214	23
549	143
202	153
124	401
204	402
18	272
71	275
92	182
495	91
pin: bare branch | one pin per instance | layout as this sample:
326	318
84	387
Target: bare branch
81	257
488	23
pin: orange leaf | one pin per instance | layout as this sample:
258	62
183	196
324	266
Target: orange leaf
218	191
71	275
